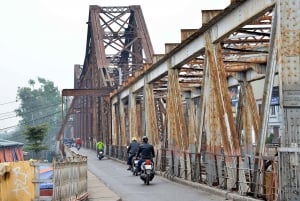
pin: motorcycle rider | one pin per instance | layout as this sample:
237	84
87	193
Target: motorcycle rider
99	146
132	150
78	143
145	151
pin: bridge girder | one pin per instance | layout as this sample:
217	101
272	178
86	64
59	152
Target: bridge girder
182	100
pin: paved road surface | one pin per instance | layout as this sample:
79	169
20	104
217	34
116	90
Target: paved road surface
131	188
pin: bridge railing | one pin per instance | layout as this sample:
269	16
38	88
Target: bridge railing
70	177
214	170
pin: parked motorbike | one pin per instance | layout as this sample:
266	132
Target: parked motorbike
147	171
134	163
100	154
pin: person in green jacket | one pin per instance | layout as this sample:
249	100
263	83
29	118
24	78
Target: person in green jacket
100	146
100	149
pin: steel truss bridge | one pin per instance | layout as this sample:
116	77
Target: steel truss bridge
183	100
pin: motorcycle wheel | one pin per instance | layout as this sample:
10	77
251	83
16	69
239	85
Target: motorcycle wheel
147	179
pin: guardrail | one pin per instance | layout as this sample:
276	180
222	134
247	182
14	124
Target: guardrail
70	177
33	180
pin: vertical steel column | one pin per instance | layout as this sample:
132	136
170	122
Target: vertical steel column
151	116
230	139
289	73
132	115
176	125
115	125
123	140
266	102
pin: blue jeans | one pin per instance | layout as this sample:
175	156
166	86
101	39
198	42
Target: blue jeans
129	161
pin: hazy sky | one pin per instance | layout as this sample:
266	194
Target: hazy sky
45	38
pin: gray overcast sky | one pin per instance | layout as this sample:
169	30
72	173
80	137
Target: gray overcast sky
45	38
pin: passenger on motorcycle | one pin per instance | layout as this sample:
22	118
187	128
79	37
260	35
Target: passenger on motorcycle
145	151
131	151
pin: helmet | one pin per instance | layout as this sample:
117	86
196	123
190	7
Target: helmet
145	139
133	139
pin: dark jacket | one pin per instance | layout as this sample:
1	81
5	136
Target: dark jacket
133	147
146	151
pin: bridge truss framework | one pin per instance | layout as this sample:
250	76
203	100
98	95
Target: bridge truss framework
181	100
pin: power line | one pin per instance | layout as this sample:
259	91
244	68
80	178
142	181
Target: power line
14	136
35	108
6	112
8	117
40	107
28	122
33	97
9	102
29	108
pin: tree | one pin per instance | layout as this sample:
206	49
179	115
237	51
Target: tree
35	136
269	139
40	103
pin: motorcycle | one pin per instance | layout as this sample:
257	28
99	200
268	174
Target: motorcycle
147	171
100	154
134	163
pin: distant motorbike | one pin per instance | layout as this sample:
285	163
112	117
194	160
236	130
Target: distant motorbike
147	171
78	146
100	154
134	163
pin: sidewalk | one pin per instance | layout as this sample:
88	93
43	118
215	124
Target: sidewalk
98	191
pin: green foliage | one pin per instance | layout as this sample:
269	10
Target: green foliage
40	103
269	139
35	136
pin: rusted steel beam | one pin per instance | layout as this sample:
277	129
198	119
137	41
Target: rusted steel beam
143	33
95	128
185	33
289	76
230	140
97	35
151	116
232	19
201	115
59	136
253	109
86	92
133	131
225	122
193	122
266	100
115	124
177	126
123	138
247	121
